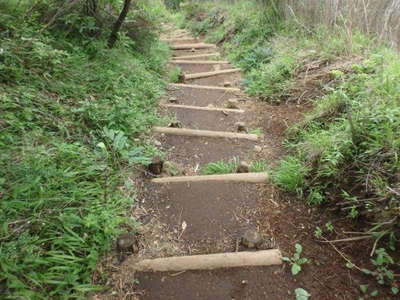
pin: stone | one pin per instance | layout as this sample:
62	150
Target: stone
127	242
173	100
251	239
175	124
156	166
232	104
243	167
157	143
193	50
257	148
181	78
227	84
241	127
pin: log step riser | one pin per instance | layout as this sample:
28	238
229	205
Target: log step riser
210	74
204	108
239	177
211	261
205	133
204	87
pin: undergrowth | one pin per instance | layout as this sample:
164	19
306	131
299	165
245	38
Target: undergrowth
73	113
270	51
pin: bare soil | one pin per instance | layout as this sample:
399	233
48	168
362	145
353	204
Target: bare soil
203	68
196	151
218	80
207	120
211	225
201	97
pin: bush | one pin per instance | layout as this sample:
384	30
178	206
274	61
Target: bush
73	115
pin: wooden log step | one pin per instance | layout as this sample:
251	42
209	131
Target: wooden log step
205	133
178	40
200	62
205	55
211	261
177	36
180	36
205	87
192	46
181	31
178	32
206	108
239	177
209	74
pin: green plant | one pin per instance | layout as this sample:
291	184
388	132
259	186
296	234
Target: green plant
290	174
219	167
73	116
318	232
296	261
256	131
382	262
329	227
175	74
383	273
315	197
364	290
173	4
258	166
301	294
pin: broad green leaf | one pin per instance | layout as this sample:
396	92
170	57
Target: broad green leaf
375	293
299	248
302	261
296	269
364	288
301	294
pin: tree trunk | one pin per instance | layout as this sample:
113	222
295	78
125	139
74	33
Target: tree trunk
117	25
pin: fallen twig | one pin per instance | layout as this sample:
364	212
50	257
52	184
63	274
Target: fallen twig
342	255
349	239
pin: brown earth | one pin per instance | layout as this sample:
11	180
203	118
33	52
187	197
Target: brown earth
201	218
219	80
199	68
192	151
178	53
207	120
200	97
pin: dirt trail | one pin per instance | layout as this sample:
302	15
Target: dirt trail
209	217
215	214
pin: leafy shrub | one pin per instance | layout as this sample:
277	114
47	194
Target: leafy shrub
73	115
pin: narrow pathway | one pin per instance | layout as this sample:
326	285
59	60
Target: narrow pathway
206	215
188	245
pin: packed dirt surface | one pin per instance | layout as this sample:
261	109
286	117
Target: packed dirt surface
210	217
